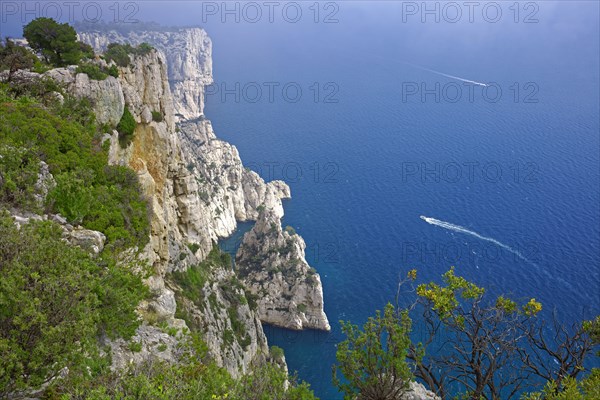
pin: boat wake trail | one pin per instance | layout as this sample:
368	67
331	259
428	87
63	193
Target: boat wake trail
460	229
449	76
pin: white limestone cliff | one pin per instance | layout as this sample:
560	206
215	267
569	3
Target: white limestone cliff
188	52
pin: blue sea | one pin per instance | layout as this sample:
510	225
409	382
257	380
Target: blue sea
520	169
385	131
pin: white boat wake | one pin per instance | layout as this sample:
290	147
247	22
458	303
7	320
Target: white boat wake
458	78
460	229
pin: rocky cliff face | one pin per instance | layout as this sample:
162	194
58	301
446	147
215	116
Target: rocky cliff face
199	189
188	53
272	264
105	96
196	194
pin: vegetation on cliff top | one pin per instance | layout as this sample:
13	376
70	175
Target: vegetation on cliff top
88	191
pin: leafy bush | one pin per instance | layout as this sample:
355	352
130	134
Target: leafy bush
193	247
126	127
38	88
86	50
14	57
301	307
143	49
18	174
157	116
56	300
135	347
119	53
373	360
276	352
113	71
93	71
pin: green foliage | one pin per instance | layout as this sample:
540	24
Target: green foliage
194	278
506	305
19	167
57	43
586	389
143	49
126	127
119	53
157	116
113	71
592	328
301	308
267	383
190	379
238	328
276	352
152	380
39	89
88	191
290	230
54	302
531	308
86	50
193	247
93	71
373	360
135	347
444	298
14	57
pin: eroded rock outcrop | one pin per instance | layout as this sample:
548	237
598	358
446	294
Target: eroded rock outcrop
418	392
272	264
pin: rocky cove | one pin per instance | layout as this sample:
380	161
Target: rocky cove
199	189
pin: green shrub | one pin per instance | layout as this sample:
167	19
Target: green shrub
161	347
113	71
86	50
143	49
136	347
301	307
193	247
276	352
290	230
157	116
93	71
14	58
19	167
126	128
38	88
119	53
56	301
